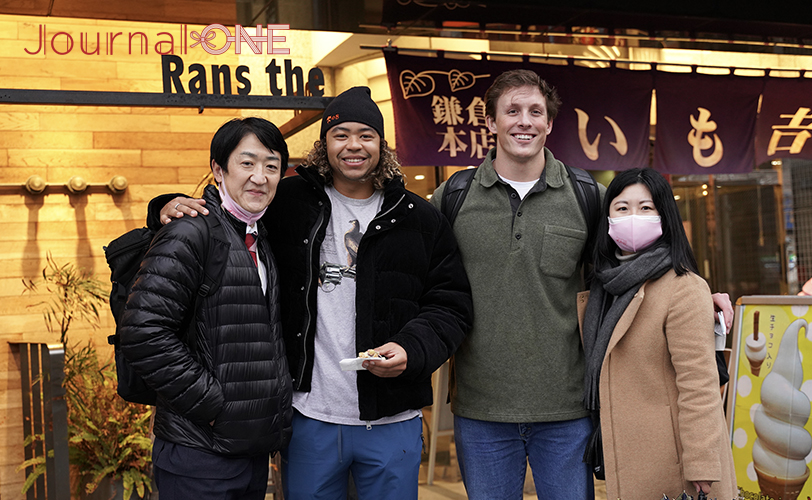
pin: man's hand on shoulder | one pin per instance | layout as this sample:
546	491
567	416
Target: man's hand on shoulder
393	365
181	206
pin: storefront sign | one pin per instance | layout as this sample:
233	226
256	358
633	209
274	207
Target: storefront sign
440	112
180	47
138	42
705	123
105	43
172	69
254	42
604	119
771	386
784	124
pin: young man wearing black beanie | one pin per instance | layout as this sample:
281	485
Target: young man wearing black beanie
364	264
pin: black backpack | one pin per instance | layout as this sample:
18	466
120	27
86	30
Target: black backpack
124	256
585	186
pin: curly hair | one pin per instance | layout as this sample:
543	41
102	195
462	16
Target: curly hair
388	166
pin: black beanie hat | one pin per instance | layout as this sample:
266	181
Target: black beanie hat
353	105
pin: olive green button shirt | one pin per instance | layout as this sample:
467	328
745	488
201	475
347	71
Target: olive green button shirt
522	361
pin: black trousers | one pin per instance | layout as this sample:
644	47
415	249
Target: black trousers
187	473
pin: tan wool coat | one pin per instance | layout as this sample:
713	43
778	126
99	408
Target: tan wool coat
661	413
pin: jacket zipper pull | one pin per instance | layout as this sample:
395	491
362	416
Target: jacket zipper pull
369	425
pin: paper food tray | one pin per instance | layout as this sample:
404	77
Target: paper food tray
353	364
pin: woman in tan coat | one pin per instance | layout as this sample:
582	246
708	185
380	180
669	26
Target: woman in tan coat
650	360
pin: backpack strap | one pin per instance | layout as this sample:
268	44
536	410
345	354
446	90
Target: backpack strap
589	199
588	194
456	188
214	266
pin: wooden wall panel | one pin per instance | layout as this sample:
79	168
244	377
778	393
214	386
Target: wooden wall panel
201	123
174	159
19	121
158	140
108	122
56	67
61	140
54	158
57	142
8	28
158	150
30	82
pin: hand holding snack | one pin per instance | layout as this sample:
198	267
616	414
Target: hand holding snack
392	366
355	364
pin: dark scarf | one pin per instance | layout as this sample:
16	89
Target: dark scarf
612	291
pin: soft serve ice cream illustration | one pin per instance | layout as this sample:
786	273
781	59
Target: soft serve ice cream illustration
755	347
782	443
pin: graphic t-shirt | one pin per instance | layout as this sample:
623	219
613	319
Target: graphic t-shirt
333	395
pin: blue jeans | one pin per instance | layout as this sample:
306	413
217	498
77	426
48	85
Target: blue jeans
384	460
493	458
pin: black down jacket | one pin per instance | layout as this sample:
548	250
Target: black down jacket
236	374
411	288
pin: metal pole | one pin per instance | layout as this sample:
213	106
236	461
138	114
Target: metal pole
159	100
59	415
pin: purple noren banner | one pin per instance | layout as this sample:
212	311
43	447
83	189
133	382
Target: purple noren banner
603	123
784	123
705	123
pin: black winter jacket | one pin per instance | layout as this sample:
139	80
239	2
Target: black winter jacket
235	373
411	288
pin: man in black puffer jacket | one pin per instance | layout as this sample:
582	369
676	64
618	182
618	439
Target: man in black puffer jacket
364	264
224	396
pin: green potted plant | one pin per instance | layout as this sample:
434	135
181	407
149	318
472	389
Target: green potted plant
108	437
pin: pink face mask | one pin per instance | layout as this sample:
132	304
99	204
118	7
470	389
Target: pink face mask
633	233
236	210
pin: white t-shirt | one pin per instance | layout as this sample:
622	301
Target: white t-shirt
333	395
521	187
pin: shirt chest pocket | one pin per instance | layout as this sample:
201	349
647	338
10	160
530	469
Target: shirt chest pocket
561	249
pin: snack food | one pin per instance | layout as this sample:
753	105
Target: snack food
782	442
370	353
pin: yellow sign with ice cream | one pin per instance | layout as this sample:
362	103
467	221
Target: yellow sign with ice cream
769	399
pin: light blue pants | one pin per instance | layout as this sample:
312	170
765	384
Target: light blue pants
384	460
493	458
